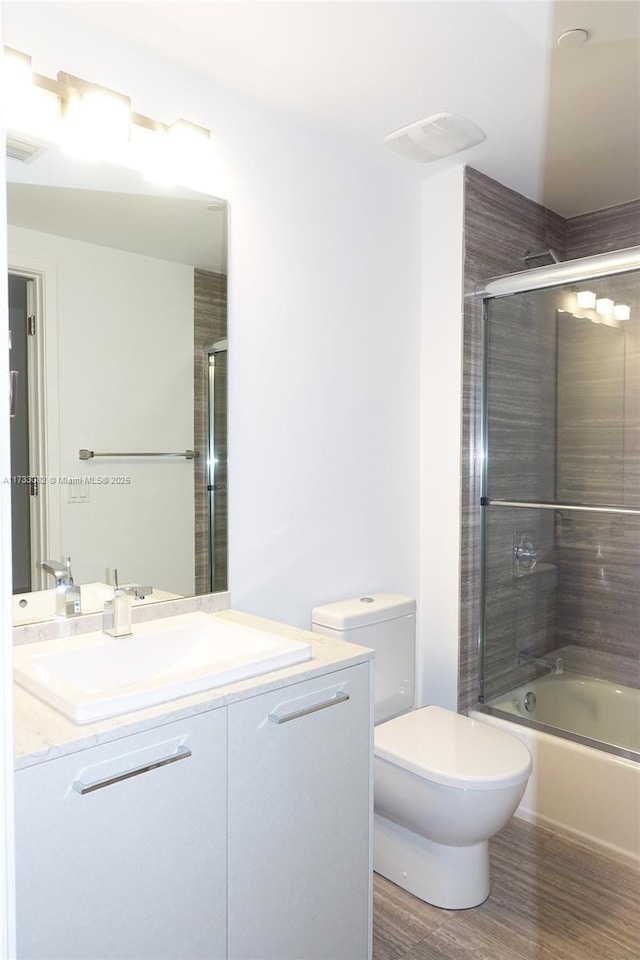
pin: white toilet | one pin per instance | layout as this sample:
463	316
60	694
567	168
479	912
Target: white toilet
444	784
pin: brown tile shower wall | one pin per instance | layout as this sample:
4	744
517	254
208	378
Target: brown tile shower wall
521	611
603	231
209	325
598	555
500	227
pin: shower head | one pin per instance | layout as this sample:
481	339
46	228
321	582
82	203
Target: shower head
218	346
550	253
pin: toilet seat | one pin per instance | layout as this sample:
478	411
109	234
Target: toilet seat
453	750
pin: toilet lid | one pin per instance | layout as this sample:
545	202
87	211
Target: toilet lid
454	750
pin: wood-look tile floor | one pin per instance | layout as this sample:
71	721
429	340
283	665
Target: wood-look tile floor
551	899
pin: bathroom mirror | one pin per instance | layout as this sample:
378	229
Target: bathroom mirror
118	342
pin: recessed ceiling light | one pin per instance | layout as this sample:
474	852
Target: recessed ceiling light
576	37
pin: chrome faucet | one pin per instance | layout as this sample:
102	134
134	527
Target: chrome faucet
60	571
116	615
555	666
67	592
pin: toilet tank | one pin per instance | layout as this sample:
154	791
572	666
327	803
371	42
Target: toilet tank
386	623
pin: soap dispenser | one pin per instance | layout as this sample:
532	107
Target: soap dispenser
117	611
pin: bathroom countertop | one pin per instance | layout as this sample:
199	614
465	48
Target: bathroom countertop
42	733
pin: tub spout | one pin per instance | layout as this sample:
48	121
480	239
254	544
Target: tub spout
553	666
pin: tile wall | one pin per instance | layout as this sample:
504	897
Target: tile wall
574	597
209	325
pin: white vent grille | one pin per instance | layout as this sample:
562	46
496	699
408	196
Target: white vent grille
23	150
435	137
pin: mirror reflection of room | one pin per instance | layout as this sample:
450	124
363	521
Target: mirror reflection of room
117	290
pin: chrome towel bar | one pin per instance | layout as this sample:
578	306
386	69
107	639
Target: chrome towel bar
90	454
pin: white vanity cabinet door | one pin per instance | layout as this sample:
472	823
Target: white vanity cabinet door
134	869
299	821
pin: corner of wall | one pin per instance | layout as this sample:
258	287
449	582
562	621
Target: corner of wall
440	430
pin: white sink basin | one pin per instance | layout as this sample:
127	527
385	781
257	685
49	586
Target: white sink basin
94	676
41	604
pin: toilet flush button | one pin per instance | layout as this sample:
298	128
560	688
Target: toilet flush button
367	600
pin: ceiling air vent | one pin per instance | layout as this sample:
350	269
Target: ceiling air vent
435	137
23	150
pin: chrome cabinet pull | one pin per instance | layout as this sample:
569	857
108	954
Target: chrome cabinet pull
285	717
181	754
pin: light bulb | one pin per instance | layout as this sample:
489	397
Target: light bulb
586	299
621	311
604	306
29	109
96	124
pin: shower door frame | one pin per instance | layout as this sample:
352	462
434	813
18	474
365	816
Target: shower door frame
557	275
43	415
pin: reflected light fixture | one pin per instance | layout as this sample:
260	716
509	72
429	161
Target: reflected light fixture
604	307
586	299
621	311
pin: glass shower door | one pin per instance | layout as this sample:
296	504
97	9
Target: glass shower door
561	494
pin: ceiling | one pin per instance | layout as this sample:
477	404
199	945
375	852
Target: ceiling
562	124
167	228
115	207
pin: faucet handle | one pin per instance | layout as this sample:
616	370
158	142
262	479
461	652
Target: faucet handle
57	569
139	592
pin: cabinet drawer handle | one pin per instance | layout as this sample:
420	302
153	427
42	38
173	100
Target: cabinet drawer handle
285	717
181	754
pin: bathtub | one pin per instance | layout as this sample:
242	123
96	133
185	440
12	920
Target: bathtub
576	784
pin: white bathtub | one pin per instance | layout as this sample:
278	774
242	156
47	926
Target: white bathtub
585	791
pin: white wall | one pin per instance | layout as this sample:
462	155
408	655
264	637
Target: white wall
440	462
324	332
124	383
324	312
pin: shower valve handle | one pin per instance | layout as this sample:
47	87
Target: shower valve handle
525	552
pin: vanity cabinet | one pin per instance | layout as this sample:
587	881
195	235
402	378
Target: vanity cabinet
299	837
114	863
241	832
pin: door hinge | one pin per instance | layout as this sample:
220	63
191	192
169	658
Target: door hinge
33	488
31	325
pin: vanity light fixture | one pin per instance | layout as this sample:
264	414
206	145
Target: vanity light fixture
94	122
29	107
163	153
